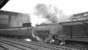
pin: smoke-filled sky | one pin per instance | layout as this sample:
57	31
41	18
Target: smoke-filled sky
68	7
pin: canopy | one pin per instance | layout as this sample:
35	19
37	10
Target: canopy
3	2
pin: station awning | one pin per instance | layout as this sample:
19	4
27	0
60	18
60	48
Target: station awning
3	2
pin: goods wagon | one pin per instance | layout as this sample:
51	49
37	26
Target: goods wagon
76	30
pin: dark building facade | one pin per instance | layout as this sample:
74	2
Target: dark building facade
13	19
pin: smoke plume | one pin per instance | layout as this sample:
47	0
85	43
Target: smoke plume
47	14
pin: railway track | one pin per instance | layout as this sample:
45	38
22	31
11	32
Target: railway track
3	48
78	45
71	45
11	44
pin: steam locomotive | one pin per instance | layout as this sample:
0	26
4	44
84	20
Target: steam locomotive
76	29
65	31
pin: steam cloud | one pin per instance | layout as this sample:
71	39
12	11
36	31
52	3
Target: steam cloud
47	14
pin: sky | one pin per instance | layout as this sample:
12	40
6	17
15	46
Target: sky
68	7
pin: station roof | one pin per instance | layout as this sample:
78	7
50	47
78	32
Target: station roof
3	2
